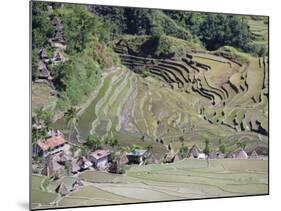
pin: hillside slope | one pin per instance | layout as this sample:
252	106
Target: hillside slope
221	96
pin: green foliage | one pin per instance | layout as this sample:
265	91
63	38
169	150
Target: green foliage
93	143
235	54
42	115
183	151
222	148
147	73
135	147
241	145
38	134
80	27
71	116
207	148
112	142
34	65
42	28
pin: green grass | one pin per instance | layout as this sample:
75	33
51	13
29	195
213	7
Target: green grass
39	196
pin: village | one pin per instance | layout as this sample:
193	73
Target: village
55	157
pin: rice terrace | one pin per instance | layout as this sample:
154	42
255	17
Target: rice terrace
137	105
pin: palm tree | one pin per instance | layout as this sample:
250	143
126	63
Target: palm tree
241	145
71	117
207	149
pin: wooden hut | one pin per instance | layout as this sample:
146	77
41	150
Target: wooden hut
194	152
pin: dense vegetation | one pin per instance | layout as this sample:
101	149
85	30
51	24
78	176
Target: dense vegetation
86	50
211	30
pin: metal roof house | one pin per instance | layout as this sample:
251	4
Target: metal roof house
137	156
99	158
52	145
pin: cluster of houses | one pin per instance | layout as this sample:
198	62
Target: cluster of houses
57	158
196	153
59	44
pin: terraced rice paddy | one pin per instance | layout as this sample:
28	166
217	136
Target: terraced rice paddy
185	179
41	197
199	96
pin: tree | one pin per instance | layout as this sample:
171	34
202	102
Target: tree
125	149
207	148
42	28
38	134
71	116
181	139
93	143
80	26
241	145
42	116
222	148
135	147
183	151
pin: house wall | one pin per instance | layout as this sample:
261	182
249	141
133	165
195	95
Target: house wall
53	151
135	159
100	163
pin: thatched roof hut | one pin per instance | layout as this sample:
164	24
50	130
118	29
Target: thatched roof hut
59	37
79	164
169	157
254	155
43	54
194	151
43	70
241	154
57	24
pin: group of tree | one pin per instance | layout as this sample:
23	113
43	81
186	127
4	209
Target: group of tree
213	30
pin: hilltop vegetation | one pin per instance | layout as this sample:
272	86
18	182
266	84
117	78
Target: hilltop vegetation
128	80
202	63
86	51
210	30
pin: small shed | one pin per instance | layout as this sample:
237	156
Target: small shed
99	158
169	157
137	156
254	155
